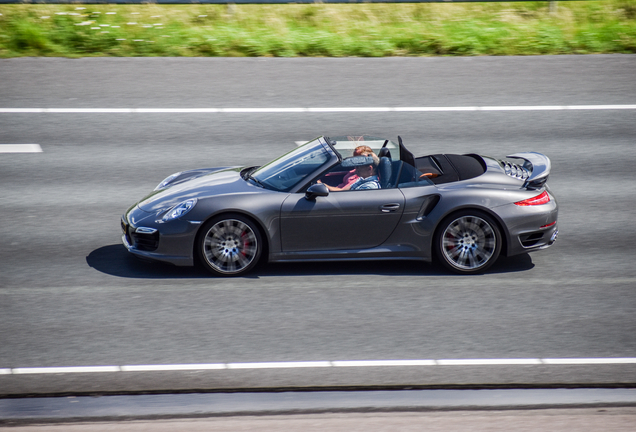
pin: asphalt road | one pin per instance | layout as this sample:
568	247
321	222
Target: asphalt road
581	420
70	295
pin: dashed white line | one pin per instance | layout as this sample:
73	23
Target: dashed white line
319	364
274	110
20	148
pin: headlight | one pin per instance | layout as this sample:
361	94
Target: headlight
179	210
167	181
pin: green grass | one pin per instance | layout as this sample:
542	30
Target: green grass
364	30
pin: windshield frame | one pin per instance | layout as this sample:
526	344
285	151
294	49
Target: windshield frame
285	164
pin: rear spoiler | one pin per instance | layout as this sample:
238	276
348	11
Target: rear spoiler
538	165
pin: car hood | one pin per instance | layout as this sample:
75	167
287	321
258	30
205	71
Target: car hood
221	182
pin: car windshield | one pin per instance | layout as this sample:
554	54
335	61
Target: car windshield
284	173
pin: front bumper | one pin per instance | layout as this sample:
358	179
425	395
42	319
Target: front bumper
148	238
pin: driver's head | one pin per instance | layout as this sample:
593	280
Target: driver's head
368	170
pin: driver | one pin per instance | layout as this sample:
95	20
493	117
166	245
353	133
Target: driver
351	176
368	178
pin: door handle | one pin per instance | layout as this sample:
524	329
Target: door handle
387	208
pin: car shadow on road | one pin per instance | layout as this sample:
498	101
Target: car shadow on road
116	261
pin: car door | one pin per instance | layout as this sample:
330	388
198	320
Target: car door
360	219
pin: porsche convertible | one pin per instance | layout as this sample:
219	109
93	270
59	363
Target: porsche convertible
311	204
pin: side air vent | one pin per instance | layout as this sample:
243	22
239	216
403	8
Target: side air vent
428	205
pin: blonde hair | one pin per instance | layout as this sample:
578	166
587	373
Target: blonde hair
358	151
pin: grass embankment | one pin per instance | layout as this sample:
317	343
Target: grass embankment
366	30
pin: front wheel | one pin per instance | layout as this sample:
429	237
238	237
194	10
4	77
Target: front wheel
468	242
229	245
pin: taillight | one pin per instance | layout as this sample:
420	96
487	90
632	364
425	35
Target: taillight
544	198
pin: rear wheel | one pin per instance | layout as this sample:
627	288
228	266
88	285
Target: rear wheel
229	245
468	242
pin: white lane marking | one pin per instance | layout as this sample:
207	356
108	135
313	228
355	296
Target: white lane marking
308	109
320	364
20	148
486	362
66	369
366	363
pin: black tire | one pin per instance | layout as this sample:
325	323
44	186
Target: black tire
229	245
468	242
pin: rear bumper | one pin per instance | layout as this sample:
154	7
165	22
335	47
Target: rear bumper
530	228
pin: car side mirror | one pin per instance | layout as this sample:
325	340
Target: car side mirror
316	190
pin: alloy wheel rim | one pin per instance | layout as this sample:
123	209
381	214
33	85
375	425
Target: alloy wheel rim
230	246
469	242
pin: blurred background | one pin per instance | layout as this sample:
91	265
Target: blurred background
319	29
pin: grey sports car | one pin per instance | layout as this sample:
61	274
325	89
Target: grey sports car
348	198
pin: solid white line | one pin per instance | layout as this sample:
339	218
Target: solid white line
20	148
320	364
263	110
175	110
351	109
364	363
487	362
66	369
308	109
278	365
